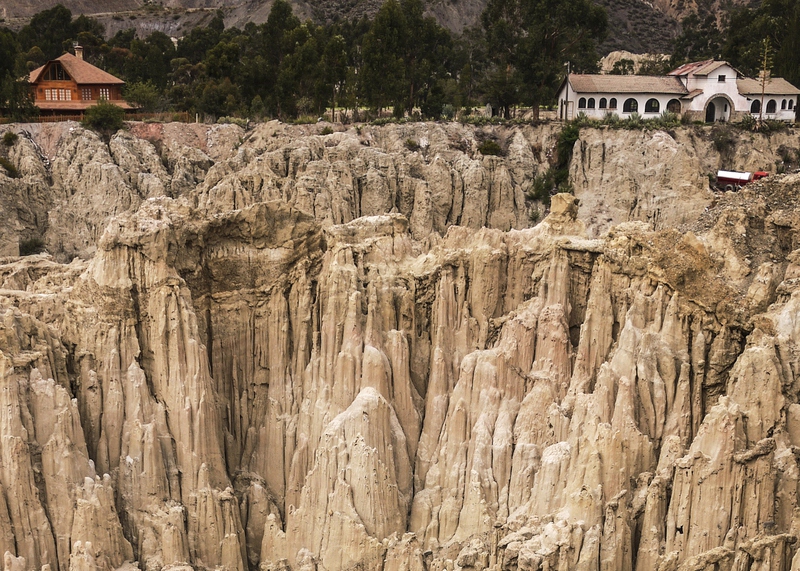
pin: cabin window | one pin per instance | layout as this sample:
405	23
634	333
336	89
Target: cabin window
56	72
590	103
86	93
783	104
603	103
630	106
612	103
791	103
582	103
772	106
105	93
652	106
674	106
755	106
721	78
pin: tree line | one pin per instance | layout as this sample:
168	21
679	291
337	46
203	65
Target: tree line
400	59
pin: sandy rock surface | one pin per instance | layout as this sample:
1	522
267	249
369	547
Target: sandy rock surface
275	349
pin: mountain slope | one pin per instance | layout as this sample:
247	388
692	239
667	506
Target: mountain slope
638	26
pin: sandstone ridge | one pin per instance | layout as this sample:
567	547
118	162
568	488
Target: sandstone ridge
275	349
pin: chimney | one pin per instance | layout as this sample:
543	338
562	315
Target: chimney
78	50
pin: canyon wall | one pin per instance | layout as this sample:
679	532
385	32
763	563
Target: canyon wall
275	349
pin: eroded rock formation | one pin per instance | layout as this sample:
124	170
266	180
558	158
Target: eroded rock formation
278	350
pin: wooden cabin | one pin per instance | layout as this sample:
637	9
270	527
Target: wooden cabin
68	85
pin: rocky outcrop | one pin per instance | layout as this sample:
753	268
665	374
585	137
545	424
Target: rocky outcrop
333	352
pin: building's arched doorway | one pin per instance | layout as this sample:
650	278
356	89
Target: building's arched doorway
718	109
711	112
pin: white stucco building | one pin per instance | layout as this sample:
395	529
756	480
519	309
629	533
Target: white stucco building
708	90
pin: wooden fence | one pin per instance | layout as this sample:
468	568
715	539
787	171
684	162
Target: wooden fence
182	117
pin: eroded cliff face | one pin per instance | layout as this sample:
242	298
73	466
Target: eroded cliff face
279	350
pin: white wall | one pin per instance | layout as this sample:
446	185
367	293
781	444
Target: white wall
780	114
598	113
712	87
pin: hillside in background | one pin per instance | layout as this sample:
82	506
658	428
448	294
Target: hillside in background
634	25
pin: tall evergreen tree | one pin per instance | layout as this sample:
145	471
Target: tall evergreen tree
531	41
384	73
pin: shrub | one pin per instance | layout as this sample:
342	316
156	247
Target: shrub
667	119
9	138
326	131
772	126
748	122
31	246
448	112
788	155
411	145
583	120
233	121
634	121
566	142
490	147
723	139
105	118
551	182
611	119
9	167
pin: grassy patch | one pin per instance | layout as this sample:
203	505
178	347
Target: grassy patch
9	167
31	246
491	148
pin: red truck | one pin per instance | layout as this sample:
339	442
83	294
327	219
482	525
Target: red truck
733	180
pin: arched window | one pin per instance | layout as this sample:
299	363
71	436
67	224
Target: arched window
674	106
783	104
791	103
652	106
582	103
630	106
755	106
590	103
772	106
612	103
603	103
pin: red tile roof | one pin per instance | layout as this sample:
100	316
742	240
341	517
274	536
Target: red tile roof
81	71
586	83
701	68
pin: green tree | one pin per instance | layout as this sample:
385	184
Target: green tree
105	118
195	45
624	66
778	20
406	58
700	39
19	101
145	96
530	42
334	68
48	30
654	64
383	79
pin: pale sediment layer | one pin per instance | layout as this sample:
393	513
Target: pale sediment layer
279	350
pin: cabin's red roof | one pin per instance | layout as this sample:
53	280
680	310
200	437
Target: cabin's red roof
80	71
